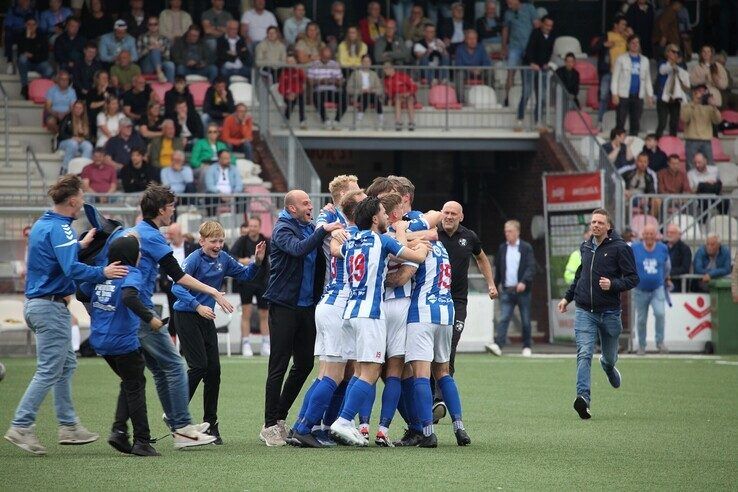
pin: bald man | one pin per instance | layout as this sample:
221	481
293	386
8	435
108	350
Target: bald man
295	286
181	248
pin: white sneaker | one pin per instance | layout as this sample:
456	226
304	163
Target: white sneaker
188	436
246	349
527	352
266	349
76	434
25	438
203	427
347	433
328	124
283	431
272	436
493	348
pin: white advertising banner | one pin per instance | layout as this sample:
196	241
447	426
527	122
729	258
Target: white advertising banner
688	324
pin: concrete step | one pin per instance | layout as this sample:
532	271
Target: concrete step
21	113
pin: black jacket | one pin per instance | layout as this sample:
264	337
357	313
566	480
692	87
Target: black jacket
194	125
68	52
446	27
38	47
570	79
539	49
135	180
613	259
170	102
629	172
242	53
681	258
526	269
218	111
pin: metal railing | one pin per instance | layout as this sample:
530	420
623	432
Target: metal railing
6	126
31	156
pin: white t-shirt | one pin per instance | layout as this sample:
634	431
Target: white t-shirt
695	177
258	24
179	253
234	65
112	123
365	83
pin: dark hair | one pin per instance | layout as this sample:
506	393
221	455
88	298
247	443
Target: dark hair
391	201
651	135
74	18
254	217
180	78
221	151
674	156
66	186
138	150
615	132
349	203
632	37
99	150
642	154
545	18
272	27
602	211
365	212
90	44
618	18
155	198
219	80
380	185
569	55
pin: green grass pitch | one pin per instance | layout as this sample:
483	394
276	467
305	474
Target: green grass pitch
672	425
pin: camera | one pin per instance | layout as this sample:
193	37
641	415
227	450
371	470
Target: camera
705	99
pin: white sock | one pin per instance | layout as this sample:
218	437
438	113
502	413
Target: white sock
384	430
458	424
245	340
75	337
265	340
428	430
359	116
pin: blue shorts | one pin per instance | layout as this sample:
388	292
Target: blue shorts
514	57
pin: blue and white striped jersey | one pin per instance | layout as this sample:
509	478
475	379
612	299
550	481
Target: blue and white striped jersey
431	300
327	217
402	291
366	254
337	291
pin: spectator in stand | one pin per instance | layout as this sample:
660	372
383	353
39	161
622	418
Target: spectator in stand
537	56
391	47
218	102
98	95
271	51
214	21
108	121
96	20
99	176
639	179
174	22
14	27
413	28
69	46
489	27
292	88
33	54
518	23
310	44
150	123
672	87
192	56
295	25
114	43
138	174
698	117
74	135
153	50
400	90
710	74
673	179
83	75
179	92
631	86
205	150
118	148
611	47
162	148
136	19
371	26
656	156
471	54
238	131
452	30
431	52
653	266
641	17
351	50
327	82
712	260
666	29
617	149
136	100
59	99
365	88
704	178
569	77
233	56
729	98
257	20
124	71
178	176
222	179
401	10
680	256
335	27
188	124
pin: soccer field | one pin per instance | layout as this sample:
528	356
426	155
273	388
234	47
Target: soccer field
672	425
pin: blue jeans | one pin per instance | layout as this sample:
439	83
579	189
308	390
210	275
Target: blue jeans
604	96
210	71
154	59
530	84
170	374
24	66
587	327
691	147
72	148
246	148
508	301
433	73
228	72
401	10
55	362
657	300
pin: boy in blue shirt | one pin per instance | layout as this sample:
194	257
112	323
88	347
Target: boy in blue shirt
194	315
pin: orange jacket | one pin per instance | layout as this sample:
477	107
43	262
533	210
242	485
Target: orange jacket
233	130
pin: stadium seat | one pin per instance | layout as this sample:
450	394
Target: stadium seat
11	315
443	96
237	78
160	89
724	226
222	326
243	92
190	222
38	88
691	229
566	44
672	145
636	145
728	173
79	311
589	147
198	90
579	123
76	165
731	116
482	97
244	167
195	78
718	154
274	91
587	72
639	221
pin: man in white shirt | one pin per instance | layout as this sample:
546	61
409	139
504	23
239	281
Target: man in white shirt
704	178
258	20
181	248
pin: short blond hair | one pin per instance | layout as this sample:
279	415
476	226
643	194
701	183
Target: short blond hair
513	223
339	185
211	228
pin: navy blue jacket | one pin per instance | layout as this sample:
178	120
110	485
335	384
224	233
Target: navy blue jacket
612	259
288	249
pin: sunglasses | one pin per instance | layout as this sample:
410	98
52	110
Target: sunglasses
213	131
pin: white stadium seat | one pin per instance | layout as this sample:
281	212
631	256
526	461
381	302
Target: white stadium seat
243	92
482	97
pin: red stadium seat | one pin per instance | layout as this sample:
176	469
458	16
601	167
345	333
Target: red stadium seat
198	90
579	125
38	88
443	97
149	77
593	97
718	154
587	72
731	116
672	145
160	89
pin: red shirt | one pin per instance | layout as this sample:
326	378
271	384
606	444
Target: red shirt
292	81
101	178
399	84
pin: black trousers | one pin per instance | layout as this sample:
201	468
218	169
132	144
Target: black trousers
322	97
289	106
668	111
292	334
459	320
166	285
199	343
132	397
365	99
632	109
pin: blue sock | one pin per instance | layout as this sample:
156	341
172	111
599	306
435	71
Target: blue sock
365	410
451	396
319	401
355	397
408	398
424	404
390	400
348	388
305	401
334	407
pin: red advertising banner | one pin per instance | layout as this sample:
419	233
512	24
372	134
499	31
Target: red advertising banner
574	191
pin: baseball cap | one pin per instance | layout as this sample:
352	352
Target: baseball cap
126	122
120	24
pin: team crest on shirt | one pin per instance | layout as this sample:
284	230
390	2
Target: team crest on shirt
462	242
219	266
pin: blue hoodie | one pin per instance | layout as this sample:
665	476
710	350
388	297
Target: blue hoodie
722	262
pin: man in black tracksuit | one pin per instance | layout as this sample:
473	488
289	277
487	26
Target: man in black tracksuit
607	269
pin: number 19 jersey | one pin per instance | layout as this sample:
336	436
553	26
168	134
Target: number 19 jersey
431	300
366	255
